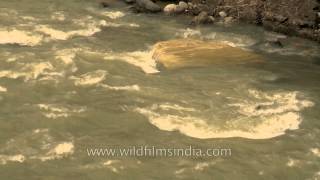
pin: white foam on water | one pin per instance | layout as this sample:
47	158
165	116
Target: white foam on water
66	56
274	104
110	164
142	59
232	39
315	151
90	28
133	25
61	150
279	114
180	171
37	144
113	14
169	106
19	37
53	111
3	89
61	35
29	71
121	88
90	78
201	166
292	162
14	158
316	176
29	18
188	33
112	24
58	16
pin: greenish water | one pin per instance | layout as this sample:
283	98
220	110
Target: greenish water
75	76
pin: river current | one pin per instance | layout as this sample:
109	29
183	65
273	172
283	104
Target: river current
75	76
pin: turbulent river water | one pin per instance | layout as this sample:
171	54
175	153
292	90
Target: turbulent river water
75	76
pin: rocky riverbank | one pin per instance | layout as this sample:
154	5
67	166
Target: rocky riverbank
290	17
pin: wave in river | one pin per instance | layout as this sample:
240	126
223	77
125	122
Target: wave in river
19	37
142	59
44	147
91	29
113	14
266	116
28	71
54	111
90	78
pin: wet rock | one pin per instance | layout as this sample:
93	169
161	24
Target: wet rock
175	9
274	43
148	5
212	19
275	40
170	9
129	1
280	18
195	10
228	20
202	18
183	5
181	53
104	4
223	14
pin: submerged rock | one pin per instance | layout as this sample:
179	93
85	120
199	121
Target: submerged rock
148	5
180	53
130	1
104	4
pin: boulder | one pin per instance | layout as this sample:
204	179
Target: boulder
181	53
148	5
183	5
228	20
175	9
170	9
223	14
202	18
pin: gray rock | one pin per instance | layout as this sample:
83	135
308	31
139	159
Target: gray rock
212	19
202	18
180	9
228	20
130	1
148	5
183	5
170	9
104	4
223	14
195	10
175	9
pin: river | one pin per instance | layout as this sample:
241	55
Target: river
75	76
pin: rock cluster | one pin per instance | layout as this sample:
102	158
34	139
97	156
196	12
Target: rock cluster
291	17
171	9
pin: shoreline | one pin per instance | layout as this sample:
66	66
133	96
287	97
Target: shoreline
288	17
